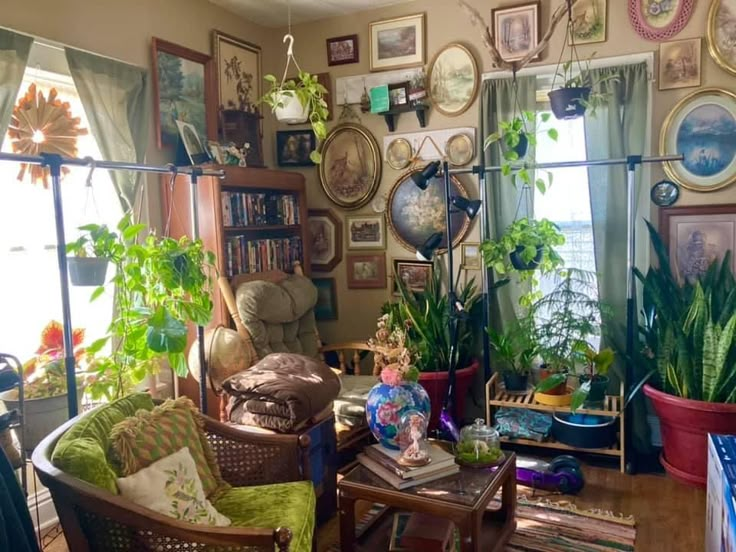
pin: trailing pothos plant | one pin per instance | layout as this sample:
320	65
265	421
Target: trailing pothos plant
311	95
161	284
585	90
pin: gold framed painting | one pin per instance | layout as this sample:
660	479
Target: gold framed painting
238	72
397	43
350	172
720	32
415	275
470	256
453	80
679	64
367	271
589	22
459	150
399	153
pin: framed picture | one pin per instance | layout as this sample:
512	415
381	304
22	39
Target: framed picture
398	94
350	172
366	232
516	30
397	43
589	21
415	275
342	50
367	271
325	234
697	236
216	152
459	149
294	146
182	90
679	64
192	144
238	72
658	19
719	34
470	256
326	307
453	80
399	153
414	214
702	127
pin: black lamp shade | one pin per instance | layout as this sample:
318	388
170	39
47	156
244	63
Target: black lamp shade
428	248
469	206
421	179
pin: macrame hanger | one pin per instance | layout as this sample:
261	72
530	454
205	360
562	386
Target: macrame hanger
524	197
290	49
90	191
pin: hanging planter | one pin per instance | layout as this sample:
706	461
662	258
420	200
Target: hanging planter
569	103
88	266
87	271
518	262
289	109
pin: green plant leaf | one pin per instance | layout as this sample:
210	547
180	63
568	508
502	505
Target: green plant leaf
550	382
553	134
316	157
97	293
132	231
579	396
166	334
178	363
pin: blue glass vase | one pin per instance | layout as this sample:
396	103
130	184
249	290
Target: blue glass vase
388	403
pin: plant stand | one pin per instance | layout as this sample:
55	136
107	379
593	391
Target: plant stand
497	397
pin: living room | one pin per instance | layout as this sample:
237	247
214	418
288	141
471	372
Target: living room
234	216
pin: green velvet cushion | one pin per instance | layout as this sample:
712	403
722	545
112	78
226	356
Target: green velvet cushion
289	505
83	450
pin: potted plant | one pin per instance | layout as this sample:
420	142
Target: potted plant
517	349
579	93
689	352
88	265
594	379
296	101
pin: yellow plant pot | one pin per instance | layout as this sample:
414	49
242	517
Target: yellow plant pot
554	400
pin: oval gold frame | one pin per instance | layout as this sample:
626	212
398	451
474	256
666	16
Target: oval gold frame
471	152
476	78
376	154
710	39
394	232
397	166
667	165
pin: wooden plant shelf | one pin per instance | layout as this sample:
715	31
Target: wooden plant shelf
614	450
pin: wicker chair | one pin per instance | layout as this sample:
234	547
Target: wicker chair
96	520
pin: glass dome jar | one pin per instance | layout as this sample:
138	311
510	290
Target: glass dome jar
479	446
414	448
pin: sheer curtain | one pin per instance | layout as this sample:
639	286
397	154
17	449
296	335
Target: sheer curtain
14	50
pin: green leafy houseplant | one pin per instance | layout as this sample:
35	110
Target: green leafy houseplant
88	265
516	347
310	94
579	93
594	379
160	284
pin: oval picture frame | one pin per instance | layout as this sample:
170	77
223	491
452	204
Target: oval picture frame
414	214
451	150
350	171
710	156
449	95
644	26
399	153
714	38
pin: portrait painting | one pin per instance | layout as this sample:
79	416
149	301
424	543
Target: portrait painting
366	232
697	236
413	275
516	30
720	33
294	146
679	64
350	171
326	307
397	43
325	239
453	80
238	72
342	50
589	20
367	271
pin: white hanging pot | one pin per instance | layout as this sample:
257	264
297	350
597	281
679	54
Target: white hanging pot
292	112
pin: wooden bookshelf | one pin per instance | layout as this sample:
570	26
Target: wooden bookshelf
215	233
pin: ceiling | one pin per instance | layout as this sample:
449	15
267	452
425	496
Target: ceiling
274	13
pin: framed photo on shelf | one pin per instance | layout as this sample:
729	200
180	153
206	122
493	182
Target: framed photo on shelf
325	235
470	256
294	146
398	94
367	271
415	275
366	232
342	50
516	29
238	72
696	236
192	144
326	307
397	43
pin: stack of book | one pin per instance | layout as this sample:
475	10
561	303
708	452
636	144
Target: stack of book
384	463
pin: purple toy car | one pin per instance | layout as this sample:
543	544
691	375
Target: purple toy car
563	474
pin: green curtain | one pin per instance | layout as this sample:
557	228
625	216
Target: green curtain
114	96
499	104
618	129
14	50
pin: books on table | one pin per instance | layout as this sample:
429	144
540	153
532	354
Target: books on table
383	462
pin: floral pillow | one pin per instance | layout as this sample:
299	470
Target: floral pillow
171	486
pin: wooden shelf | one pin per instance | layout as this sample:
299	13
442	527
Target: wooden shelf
611	404
391	114
614	450
264	228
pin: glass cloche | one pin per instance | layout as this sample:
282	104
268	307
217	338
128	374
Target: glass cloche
479	446
413	439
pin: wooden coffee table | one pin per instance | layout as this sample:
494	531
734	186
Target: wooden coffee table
462	498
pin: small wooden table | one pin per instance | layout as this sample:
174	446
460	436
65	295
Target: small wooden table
461	498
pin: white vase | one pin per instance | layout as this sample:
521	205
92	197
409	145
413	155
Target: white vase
292	111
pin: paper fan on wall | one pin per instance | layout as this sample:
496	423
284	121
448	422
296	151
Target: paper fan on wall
43	125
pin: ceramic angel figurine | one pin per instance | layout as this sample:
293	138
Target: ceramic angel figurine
413	442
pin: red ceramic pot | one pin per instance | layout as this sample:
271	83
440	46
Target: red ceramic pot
436	383
557	390
685	427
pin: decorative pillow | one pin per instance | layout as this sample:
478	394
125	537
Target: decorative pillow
172	487
140	440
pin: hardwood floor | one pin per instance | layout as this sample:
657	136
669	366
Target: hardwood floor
670	516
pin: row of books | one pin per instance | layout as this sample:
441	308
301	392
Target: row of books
243	255
251	209
384	463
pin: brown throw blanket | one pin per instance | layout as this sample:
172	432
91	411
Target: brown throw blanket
280	392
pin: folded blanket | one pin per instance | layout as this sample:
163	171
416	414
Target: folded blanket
281	392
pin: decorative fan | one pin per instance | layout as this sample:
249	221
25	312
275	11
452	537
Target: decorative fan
40	125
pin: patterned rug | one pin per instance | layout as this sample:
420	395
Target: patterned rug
546	526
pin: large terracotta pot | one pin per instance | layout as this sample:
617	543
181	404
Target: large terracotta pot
685	425
387	404
436	384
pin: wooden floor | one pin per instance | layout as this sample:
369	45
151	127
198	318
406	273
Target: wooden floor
670	516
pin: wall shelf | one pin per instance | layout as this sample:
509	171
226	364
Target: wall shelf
391	115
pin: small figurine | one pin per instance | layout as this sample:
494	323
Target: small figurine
413	441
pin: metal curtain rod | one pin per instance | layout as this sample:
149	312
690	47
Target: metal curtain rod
631	160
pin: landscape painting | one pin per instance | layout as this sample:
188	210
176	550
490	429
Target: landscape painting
453	80
516	30
721	32
679	64
588	22
397	42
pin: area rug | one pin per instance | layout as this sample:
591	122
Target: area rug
547	526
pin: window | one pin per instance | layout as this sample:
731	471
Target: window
30	294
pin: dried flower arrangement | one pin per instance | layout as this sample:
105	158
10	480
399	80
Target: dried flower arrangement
392	357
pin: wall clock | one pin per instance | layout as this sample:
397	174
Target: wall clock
659	19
